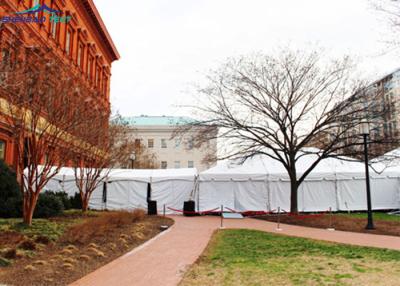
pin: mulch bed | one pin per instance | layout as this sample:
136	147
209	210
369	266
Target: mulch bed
10	238
339	222
62	262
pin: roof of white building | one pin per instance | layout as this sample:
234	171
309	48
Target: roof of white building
145	120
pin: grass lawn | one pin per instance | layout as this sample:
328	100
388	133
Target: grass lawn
376	216
248	257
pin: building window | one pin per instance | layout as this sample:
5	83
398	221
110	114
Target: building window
164	165
68	42
177	164
190	164
90	66
105	85
163	143
54	30
96	77
2	150
177	142
54	26
137	143
190	143
80	57
99	78
150	143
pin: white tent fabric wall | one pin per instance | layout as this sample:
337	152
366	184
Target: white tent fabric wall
127	189
278	194
171	193
64	181
213	194
317	195
120	195
251	195
260	183
385	192
334	184
172	187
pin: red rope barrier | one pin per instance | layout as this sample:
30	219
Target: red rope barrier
251	213
189	212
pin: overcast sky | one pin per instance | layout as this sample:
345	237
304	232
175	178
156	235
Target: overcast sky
167	45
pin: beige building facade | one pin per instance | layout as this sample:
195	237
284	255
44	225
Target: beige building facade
156	135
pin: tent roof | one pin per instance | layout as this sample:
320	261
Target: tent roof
145	175
262	167
388	163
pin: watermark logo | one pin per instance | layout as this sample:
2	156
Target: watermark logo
39	8
32	16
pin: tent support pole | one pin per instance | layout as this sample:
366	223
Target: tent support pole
330	220
222	216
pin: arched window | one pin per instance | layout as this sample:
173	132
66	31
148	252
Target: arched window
2	150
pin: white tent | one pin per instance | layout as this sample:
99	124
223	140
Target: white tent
127	189
262	183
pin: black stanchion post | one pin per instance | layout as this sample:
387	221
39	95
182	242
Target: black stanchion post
164	210
279	219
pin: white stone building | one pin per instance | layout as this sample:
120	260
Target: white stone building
156	134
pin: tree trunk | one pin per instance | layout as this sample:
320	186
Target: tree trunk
85	204
293	196
29	203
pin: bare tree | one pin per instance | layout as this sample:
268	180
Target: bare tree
44	105
144	158
390	11
199	136
108	149
278	105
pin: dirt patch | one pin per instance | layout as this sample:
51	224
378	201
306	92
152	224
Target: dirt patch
339	222
66	260
10	238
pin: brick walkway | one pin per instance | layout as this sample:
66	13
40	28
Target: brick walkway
163	260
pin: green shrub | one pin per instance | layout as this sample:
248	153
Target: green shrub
65	199
4	262
49	204
10	195
76	202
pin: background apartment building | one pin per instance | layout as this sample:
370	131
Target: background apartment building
382	113
156	135
384	127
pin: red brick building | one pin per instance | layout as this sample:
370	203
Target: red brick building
75	32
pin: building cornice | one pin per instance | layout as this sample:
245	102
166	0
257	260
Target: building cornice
94	14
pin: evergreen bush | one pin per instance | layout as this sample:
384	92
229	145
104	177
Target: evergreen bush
10	194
